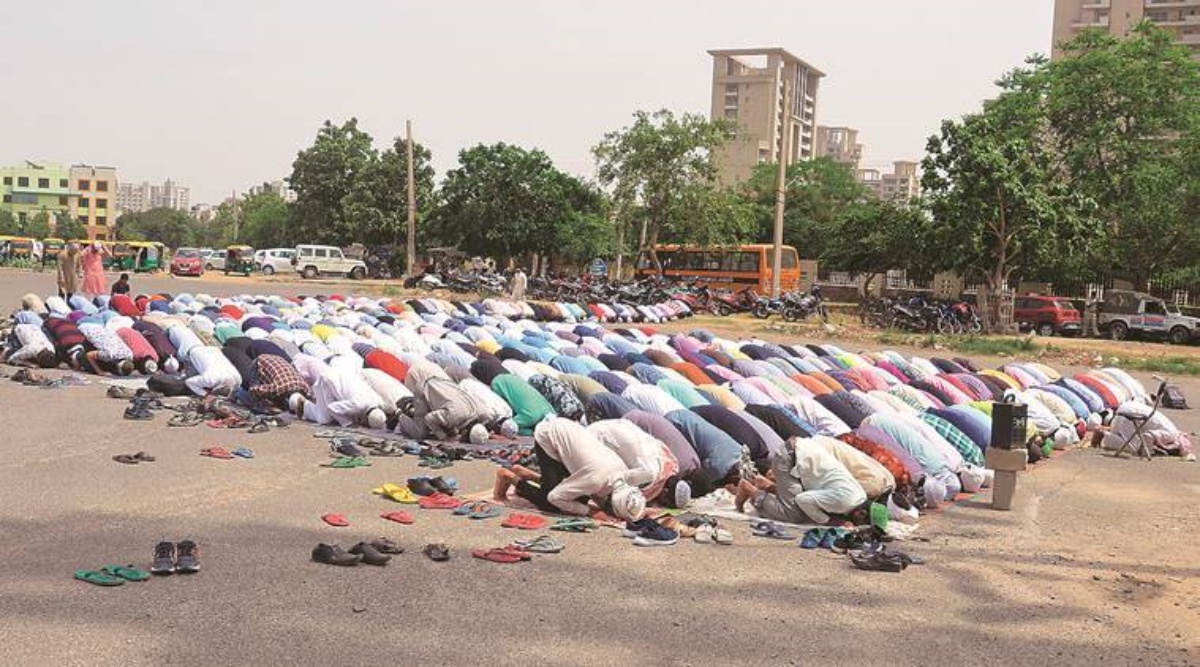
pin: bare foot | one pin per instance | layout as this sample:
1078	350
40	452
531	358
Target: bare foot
504	481
745	491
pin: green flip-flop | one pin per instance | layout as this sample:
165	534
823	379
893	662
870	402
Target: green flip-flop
98	578
350	462
126	572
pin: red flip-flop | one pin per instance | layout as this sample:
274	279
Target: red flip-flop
216	453
399	516
525	521
439	501
496	555
335	520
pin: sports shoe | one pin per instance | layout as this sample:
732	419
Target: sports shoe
164	558
634	528
656	535
443	485
187	557
422	486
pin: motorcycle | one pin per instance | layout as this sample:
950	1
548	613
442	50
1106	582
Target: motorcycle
801	307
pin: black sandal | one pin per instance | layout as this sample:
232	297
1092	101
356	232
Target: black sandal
437	552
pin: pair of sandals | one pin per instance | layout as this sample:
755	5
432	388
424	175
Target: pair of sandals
185	420
437	551
770	530
134	459
112	575
575	525
505	554
478	510
344	462
223	453
876	558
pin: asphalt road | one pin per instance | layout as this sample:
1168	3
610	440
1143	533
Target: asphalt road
1097	563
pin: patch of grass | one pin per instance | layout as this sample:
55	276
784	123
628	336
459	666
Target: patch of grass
1164	365
993	346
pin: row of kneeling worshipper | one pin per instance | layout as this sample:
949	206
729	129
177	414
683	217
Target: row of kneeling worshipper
619	415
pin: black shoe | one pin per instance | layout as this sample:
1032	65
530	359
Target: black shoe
164	558
332	554
384	545
422	486
187	558
370	555
441	486
138	412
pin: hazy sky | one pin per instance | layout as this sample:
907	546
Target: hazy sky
220	94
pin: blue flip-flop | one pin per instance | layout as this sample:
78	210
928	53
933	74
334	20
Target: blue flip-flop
484	511
244	452
812	538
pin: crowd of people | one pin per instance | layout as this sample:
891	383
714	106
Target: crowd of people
619	417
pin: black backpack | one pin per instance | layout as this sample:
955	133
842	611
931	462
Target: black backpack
1173	398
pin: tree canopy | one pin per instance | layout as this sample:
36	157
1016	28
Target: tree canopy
662	172
164	225
507	201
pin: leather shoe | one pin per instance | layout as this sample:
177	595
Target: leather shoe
370	555
332	554
422	486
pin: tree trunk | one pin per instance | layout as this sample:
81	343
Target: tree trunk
651	244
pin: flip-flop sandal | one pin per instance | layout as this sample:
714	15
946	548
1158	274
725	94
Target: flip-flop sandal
678	526
706	534
496	555
484	510
326	433
259	427
398	516
126	572
144	457
98	578
830	537
348	462
400	494
521	552
186	420
336	520
216	453
244	452
575	525
387	449
723	537
439	501
126	459
437	552
770	530
543	544
525	521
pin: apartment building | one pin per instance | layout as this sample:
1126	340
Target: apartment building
902	184
36	187
95	201
138	197
840	144
1118	17
748	89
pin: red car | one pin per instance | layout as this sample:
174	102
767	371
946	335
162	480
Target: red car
187	262
1047	315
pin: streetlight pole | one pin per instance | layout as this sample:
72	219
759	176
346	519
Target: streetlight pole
411	256
785	144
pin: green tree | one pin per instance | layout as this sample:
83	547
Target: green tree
820	194
377	205
168	226
323	177
68	227
1125	116
38	226
263	221
8	224
997	200
662	172
505	200
874	237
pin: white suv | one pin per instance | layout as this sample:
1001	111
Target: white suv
274	260
316	260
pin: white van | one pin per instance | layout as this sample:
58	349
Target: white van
326	260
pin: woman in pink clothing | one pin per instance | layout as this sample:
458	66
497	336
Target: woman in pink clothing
92	261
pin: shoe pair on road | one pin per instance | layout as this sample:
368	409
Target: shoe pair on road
376	552
649	533
176	557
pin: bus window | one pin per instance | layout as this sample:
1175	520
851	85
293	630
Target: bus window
748	262
790	261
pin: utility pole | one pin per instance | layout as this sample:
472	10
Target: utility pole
412	205
785	144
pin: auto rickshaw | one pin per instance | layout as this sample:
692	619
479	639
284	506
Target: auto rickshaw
119	256
51	248
20	247
143	257
239	259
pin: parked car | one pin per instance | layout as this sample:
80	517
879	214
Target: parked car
187	262
1126	313
274	260
214	260
1047	315
324	260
